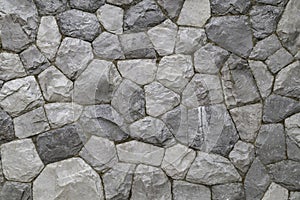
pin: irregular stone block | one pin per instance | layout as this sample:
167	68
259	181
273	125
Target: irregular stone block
7	132
111	17
276	192
229	191
51	7
15	190
11	66
185	190
171	7
87	5
279	60
223	7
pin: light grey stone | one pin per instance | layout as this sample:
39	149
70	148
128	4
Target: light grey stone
150	183
294	195
11	66
276	192
265	48
7	132
73	56
185	190
51	7
68	179
20	160
171	7
175	71
163	37
87	5
278	60
223	7
20	95
119	2
16	190
159	99
232	33
140	153
229	191
211	169
292	128
177	160
111	17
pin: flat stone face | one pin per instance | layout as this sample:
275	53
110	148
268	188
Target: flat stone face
51	7
11	66
111	17
293	149
265	48
171	7
279	60
7	132
185	190
68	179
276	192
15	190
294	195
223	7
20	160
87	5
230	191
292	128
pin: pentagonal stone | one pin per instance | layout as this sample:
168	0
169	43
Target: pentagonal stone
79	24
20	95
175	71
15	190
233	33
68	179
185	190
278	60
150	183
143	15
171	7
87	5
119	2
111	17
58	144
140	153
211	169
229	191
55	85
11	66
223	7
100	153
177	161
31	123
73	56
51	7
292	128
20	161
7	132
276	192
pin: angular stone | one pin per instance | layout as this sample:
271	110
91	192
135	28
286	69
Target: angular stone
79	24
117	181
58	144
48	37
73	56
137	45
211	169
159	99
232	33
171	7
111	17
15	190
247	120
11	66
194	13
140	153
185	190
20	161
209	59
87	5
55	85
223	7
294	195
7	132
140	71
292	128
265	48
229	191
276	192
278	60
60	114
143	15
273	2
177	161
203	89
68	179
20	95
31	123
51	7
190	40
293	149
163	37
150	183
175	71
100	153
119	2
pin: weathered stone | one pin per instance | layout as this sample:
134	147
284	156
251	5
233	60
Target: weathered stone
55	85
189	40
60	114
247	120
150	183
257	181
159	99
265	48
185	190
117	181
223	7
209	59
7	132
87	5
11	66
292	129
293	149
233	33
171	7
141	71
119	2
273	2
278	60
58	144
211	169
264	20
100	153
20	161
203	89
68	179
276	192
140	153
137	45
48	37
111	17
51	7
194	13
20	95
294	195
177	161
163	37
15	190
175	71
31	123
73	56
229	191
143	15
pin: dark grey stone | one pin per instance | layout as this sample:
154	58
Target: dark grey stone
50	7
273	2
58	144
16	191
7	132
79	24
223	7
87	5
230	191
171	7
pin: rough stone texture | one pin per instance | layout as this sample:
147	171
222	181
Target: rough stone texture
119	2
111	17
185	190
87	5
15	190
68	179
229	191
265	48
7	132
276	192
292	128
223	7
293	149
11	66
20	160
51	7
294	195
278	60
171	7
273	2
